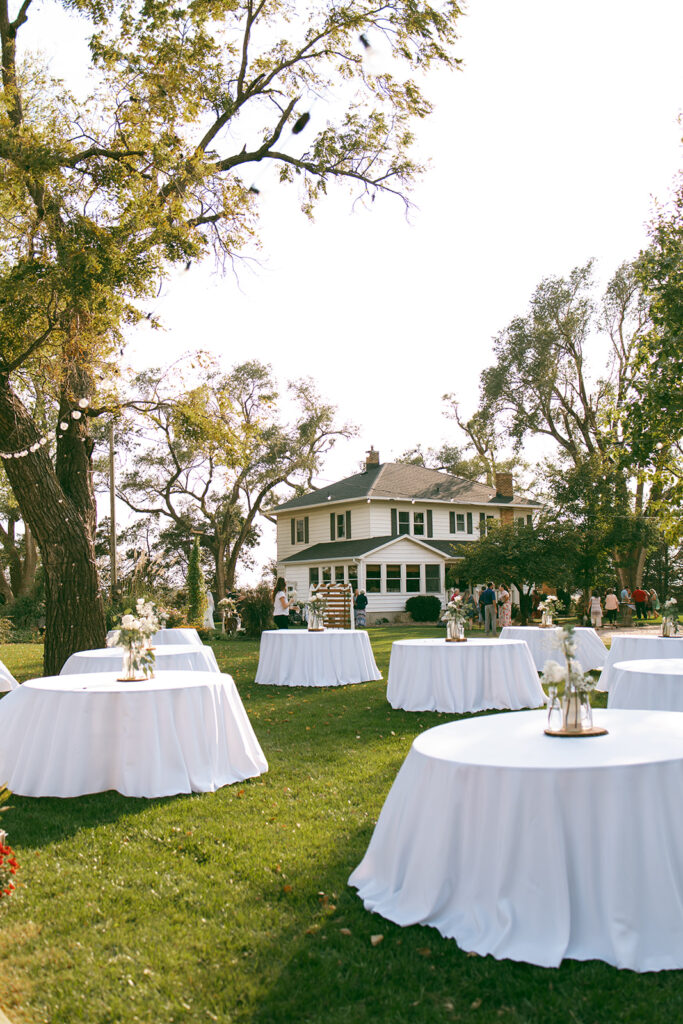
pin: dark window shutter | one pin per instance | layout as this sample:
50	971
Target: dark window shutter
394	522
348	526
430	523
306	530
331	525
293	521
451	516
469	522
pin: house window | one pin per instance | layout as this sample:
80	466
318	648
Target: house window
327	574
451	522
529	521
340	526
419	524
299	528
413	579
461	522
469	522
433	579
313	577
393	579
482	524
353	576
404	522
373	579
339	574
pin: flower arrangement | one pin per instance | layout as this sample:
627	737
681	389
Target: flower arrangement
316	606
134	635
454	617
569	689
228	609
548	607
670	617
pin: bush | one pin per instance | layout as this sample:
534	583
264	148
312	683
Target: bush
255	606
424	608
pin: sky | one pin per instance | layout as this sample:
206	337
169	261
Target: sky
546	149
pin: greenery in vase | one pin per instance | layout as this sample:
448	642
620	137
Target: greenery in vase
670	613
454	610
196	588
569	678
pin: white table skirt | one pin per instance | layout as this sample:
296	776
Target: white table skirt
653	684
295	657
167	658
433	675
7	680
544	645
538	848
632	647
179	733
180	635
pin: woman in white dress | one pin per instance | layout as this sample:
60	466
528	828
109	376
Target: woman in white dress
596	611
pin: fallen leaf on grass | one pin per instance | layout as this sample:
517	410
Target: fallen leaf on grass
476	1004
240	792
425	952
376	939
286	888
448	1005
344	931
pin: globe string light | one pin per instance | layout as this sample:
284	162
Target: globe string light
74	414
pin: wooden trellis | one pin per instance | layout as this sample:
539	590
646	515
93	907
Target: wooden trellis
338	612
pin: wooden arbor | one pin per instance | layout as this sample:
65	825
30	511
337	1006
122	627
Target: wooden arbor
338	612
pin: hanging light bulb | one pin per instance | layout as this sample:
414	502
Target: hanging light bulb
63	425
83	402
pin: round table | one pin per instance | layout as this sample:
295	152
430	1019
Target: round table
545	644
297	657
434	675
652	684
179	635
7	680
635	647
167	658
178	733
538	848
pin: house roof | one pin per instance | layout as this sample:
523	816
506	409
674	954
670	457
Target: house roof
401	481
345	549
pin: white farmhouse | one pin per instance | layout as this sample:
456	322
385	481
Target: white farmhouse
388	530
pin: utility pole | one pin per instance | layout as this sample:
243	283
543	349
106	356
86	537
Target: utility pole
112	514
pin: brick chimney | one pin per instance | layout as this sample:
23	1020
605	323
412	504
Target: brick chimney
372	458
503	485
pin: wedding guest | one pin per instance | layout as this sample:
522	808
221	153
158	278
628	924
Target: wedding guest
654	603
487	601
596	611
470	605
504	606
360	603
281	604
611	606
640	597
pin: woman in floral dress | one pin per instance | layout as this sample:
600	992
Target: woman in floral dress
504	606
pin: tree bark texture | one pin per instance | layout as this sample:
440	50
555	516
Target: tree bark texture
61	518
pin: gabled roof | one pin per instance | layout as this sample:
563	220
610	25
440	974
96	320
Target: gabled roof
401	481
345	549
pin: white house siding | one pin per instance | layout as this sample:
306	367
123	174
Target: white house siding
380	518
319	525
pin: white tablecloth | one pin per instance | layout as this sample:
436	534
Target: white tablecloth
544	644
295	657
538	848
7	680
632	647
180	635
653	684
433	675
179	733
167	658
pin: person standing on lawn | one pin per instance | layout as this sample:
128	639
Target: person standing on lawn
640	598
596	611
360	603
611	607
487	601
504	606
281	604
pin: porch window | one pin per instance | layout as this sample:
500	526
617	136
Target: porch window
433	579
339	574
373	579
413	579
313	577
353	576
327	574
393	579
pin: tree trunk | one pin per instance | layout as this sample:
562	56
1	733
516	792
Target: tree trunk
62	526
219	560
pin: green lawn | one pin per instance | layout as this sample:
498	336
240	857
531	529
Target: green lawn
234	907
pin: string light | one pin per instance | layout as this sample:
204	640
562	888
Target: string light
74	414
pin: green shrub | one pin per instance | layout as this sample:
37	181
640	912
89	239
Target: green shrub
255	605
196	587
424	608
6	631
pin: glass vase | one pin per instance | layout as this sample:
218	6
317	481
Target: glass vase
577	714
131	669
555	717
315	622
455	631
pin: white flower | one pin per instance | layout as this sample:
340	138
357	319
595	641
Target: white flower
129	622
576	667
553	672
113	640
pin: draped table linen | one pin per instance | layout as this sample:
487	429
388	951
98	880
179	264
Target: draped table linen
180	635
545	644
297	657
653	684
65	736
537	848
434	675
167	658
7	680
634	647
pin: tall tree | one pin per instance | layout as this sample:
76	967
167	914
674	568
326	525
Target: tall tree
543	384
100	197
216	457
